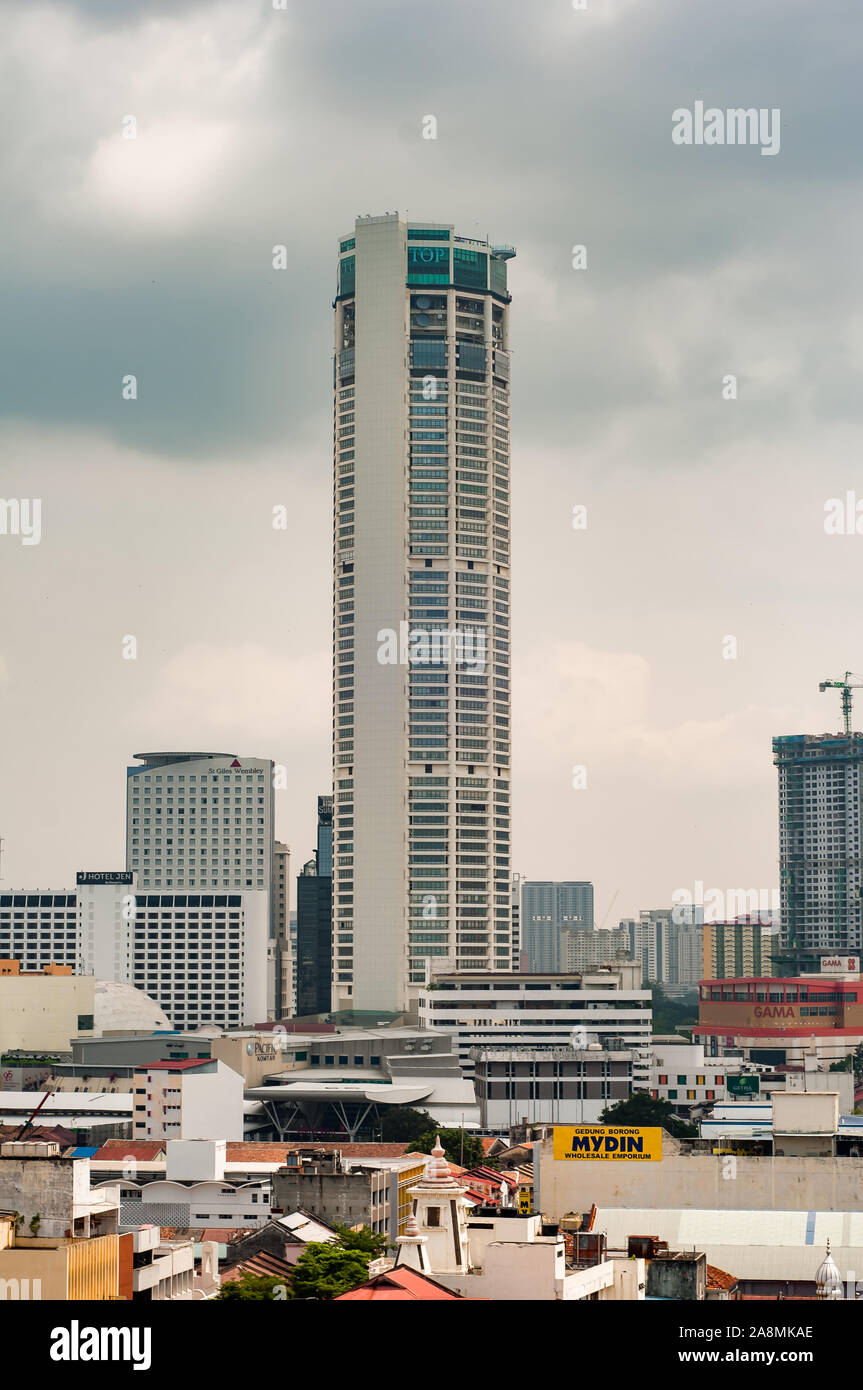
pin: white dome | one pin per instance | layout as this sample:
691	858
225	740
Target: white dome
828	1280
120	1008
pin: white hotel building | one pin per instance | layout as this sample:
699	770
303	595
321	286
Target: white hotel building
421	748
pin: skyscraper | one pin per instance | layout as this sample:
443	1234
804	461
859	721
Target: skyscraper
820	870
421	670
548	910
314	920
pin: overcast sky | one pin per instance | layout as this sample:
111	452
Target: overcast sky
153	256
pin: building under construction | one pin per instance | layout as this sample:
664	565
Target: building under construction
819	847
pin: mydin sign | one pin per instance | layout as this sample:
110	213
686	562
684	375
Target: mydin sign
607	1142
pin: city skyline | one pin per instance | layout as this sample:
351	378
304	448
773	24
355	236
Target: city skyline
157	512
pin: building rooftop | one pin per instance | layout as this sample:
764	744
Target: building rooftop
399	1285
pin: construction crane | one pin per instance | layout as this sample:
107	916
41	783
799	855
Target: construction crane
846	687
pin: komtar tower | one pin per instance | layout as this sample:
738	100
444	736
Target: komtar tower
421	610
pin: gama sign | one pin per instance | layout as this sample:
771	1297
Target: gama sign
607	1142
840	965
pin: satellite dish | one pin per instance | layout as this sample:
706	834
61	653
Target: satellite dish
423	320
423	301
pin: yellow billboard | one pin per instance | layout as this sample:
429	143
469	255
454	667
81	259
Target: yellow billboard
607	1142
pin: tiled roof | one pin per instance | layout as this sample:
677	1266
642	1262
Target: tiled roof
222	1235
253	1152
144	1149
399	1285
264	1263
719	1279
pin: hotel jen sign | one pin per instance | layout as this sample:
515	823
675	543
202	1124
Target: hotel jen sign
840	965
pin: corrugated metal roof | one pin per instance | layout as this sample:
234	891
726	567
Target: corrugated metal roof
748	1244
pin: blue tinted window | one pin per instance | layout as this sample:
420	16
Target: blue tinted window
471	357
470	268
428	265
497	271
429	352
347	275
428	234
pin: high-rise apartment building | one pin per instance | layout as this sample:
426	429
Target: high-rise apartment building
200	820
669	943
739	949
314	920
421	670
821	873
548	910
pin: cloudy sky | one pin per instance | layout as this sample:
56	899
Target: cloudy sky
152	256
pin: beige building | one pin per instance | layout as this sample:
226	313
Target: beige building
43	1011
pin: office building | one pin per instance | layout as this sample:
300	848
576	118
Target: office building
200	820
314	921
506	1011
548	911
421	672
519	959
821	873
558	1085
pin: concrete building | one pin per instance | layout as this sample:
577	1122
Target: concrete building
519	960
505	1011
559	1085
421	671
37	1180
489	1254
42	1011
681	1074
318	1182
550	912
315	953
188	1100
163	1269
820	849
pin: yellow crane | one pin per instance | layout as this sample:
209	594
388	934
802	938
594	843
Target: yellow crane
846	687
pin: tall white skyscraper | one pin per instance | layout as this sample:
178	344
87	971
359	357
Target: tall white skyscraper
421	670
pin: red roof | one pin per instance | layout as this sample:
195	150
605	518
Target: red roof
400	1285
188	1065
719	1279
146	1150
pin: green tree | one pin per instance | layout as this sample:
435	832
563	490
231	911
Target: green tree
641	1109
254	1286
670	1015
366	1241
455	1143
403	1122
325	1270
